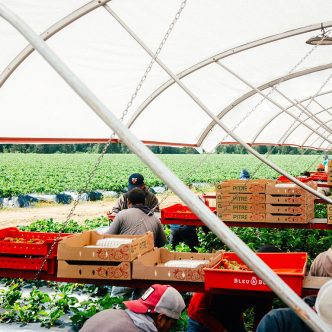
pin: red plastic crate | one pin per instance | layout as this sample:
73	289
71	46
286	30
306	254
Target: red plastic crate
283	178
35	249
290	267
28	263
314	176
318	176
179	211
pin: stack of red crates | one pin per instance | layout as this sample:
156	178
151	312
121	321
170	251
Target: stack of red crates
21	250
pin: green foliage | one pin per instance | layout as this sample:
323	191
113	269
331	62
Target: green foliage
320	211
90	307
52	174
48	225
287	239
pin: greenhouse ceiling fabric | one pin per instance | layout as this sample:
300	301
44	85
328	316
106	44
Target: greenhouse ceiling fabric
246	61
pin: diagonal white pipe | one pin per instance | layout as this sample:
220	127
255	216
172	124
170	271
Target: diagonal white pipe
211	220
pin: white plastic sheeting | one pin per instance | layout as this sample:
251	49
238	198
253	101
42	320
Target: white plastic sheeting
36	104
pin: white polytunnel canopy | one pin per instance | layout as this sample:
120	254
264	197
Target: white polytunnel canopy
247	61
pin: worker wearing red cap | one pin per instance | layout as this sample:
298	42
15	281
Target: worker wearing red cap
156	311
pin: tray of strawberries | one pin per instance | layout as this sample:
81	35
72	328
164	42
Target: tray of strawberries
232	273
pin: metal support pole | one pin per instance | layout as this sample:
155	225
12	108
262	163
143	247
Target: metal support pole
198	207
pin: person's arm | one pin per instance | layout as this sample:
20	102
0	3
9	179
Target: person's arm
121	204
161	236
154	204
203	310
114	227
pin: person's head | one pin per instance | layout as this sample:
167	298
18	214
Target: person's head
162	302
244	175
320	168
323	303
322	264
307	174
268	248
136	196
136	180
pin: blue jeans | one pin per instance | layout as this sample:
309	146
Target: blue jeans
194	326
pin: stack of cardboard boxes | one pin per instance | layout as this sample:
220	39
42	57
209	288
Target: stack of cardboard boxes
80	256
329	173
264	201
329	213
287	202
241	200
125	257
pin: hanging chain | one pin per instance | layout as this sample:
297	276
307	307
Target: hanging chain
124	113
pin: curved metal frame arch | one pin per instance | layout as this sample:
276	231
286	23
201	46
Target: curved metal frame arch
52	30
307	138
320	146
263	127
223	55
253	92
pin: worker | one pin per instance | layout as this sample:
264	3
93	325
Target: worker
285	319
210	312
326	163
136	220
322	265
136	180
320	168
244	175
156	311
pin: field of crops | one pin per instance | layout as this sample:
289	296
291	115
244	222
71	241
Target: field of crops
69	305
55	173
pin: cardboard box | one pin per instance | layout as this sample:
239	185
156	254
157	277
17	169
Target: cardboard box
329	213
151	266
288	199
276	188
291	209
230	207
243	217
239	198
280	218
329	219
73	248
82	270
242	186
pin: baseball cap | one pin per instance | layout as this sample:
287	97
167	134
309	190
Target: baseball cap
162	299
323	303
135	180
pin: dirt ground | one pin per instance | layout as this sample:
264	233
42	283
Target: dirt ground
58	212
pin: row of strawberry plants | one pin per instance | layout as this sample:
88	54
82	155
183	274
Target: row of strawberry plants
52	174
